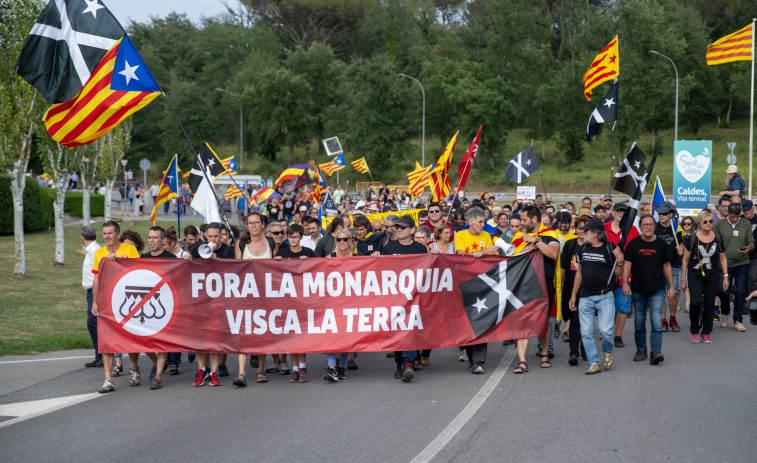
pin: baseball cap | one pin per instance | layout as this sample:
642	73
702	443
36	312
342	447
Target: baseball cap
747	204
620	207
593	224
732	169
406	221
664	207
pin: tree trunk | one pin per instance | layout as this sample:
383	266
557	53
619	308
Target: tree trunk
58	208
728	113
653	140
85	205
17	189
108	192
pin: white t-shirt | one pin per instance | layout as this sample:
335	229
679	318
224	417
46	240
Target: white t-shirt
154	190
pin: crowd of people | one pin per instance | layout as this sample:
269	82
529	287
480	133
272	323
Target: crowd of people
702	265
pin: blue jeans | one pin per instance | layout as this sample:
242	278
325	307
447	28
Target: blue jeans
604	304
653	302
551	336
331	358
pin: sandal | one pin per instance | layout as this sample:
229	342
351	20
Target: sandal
520	369
262	378
117	370
545	363
240	381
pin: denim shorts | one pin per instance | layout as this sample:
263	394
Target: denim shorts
622	303
676	280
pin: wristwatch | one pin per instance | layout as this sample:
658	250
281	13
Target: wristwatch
537	240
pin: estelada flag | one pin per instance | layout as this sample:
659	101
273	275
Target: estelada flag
439	177
120	85
604	67
230	164
336	164
169	187
232	192
466	164
732	47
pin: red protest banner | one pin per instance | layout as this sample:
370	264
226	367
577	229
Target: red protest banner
319	305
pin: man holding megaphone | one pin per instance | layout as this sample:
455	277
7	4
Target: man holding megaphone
212	249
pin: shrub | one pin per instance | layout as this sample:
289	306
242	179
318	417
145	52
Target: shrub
75	199
38	206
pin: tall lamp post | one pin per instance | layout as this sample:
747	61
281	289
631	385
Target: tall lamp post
241	127
675	136
423	120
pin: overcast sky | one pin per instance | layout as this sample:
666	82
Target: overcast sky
141	10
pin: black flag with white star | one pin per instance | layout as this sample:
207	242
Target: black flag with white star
631	172
66	44
503	289
522	165
606	111
210	163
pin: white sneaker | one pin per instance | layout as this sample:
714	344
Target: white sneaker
284	368
738	326
723	320
463	356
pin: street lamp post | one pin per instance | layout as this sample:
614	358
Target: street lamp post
675	136
423	120
241	127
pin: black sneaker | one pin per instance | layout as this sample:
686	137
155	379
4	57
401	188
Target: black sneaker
153	371
340	373
655	357
190	357
331	375
222	370
155	383
641	354
94	363
573	360
619	342
173	370
398	373
351	365
390	355
254	361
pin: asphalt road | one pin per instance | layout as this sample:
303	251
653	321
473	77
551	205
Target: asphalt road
699	404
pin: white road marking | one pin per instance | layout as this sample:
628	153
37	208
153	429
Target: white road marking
470	409
7	362
26	410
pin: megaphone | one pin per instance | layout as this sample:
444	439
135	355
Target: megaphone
508	249
206	250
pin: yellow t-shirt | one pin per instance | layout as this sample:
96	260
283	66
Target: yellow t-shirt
472	243
125	250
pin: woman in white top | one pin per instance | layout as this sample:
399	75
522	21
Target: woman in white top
171	243
253	244
442	244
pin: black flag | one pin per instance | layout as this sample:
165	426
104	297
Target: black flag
503	289
631	172
633	205
606	111
328	207
66	44
522	165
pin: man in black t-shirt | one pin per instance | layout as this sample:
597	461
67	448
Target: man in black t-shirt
403	245
650	256
273	211
287	207
157	251
599	263
664	230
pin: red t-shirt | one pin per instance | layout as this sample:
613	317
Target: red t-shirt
614	238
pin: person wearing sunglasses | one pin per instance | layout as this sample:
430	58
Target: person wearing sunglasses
664	230
336	370
436	218
688	229
704	259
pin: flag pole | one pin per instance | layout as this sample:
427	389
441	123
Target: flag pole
446	219
204	172
178	195
612	163
751	114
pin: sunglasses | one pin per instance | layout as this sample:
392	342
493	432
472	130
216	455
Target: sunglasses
277	233
687	224
436	211
341	240
664	213
706	221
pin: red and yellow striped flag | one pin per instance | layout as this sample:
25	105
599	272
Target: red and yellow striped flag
360	165
604	67
439	177
418	179
120	85
733	47
233	192
230	164
334	165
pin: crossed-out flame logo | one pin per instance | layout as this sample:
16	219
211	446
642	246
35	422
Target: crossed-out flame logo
143	302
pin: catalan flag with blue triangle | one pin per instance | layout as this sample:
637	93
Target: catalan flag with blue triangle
169	187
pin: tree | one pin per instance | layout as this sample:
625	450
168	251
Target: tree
114	146
88	168
22	109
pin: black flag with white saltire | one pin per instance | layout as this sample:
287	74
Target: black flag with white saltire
629	218
328	207
606	111
205	200
522	165
503	289
630	172
66	44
